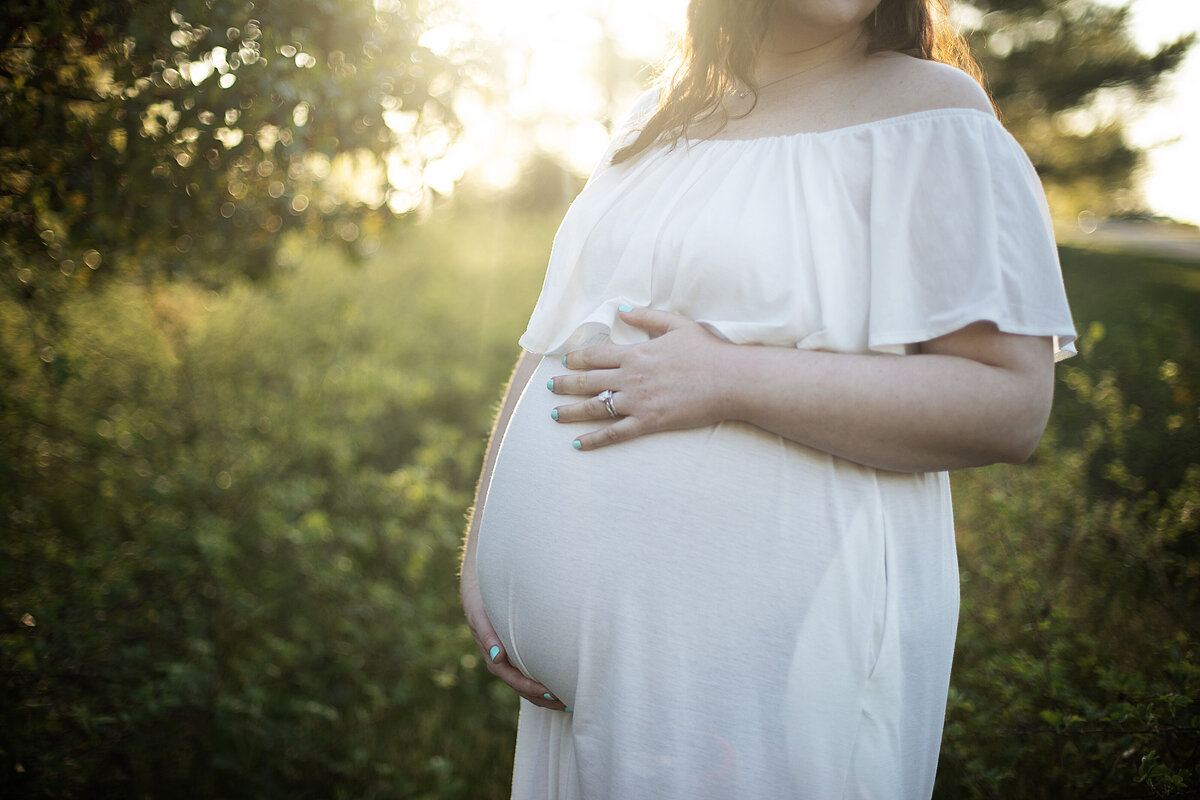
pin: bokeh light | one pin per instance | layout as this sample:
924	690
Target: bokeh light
564	72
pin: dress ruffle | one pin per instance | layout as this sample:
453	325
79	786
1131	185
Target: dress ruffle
873	237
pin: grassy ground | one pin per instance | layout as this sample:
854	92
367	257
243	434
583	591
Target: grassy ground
1101	284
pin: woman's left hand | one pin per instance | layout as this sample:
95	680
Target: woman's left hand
670	382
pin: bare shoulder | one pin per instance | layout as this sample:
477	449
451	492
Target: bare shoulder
908	85
881	86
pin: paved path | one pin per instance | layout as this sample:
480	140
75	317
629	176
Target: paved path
1150	238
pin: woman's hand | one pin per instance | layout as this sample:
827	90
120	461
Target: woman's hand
494	654
664	384
971	397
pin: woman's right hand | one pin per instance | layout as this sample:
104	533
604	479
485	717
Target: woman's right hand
494	654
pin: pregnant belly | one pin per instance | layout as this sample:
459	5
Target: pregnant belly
675	544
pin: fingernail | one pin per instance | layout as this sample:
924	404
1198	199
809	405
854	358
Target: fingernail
548	696
495	651
625	307
564	361
578	445
568	710
554	414
550	384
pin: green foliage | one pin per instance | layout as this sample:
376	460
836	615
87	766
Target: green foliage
232	520
1077	672
1053	66
232	528
158	138
232	533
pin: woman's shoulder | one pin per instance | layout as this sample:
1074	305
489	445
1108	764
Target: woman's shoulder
903	85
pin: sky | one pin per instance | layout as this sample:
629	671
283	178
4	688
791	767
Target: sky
1170	129
556	107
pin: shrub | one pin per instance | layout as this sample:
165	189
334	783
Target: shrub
233	528
1077	672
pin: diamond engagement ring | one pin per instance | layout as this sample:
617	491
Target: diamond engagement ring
606	397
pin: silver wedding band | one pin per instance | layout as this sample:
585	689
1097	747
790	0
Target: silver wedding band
606	397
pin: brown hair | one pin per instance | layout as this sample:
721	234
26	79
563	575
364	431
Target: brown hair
723	39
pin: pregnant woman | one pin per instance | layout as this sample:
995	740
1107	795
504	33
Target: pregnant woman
713	547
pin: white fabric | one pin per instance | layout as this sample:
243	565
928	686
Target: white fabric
872	237
730	614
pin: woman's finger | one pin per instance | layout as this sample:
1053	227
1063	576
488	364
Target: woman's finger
528	688
622	430
592	381
600	356
593	408
655	322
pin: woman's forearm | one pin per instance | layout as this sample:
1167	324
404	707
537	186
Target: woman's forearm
524	369
975	397
482	630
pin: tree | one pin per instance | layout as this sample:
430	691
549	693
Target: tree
1066	76
169	137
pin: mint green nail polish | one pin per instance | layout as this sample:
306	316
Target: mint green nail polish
495	651
625	307
550	384
578	445
548	696
554	414
568	710
564	361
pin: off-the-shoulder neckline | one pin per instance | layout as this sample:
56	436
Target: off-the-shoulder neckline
912	116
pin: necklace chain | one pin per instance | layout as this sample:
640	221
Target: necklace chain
745	91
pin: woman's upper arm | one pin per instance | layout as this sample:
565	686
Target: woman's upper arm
1026	364
985	343
526	365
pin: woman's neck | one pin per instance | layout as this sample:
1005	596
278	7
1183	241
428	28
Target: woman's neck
792	50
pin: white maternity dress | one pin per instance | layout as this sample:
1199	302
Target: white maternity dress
730	614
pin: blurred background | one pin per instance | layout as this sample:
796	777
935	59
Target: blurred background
262	271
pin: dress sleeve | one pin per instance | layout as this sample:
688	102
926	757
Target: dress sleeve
568	314
960	233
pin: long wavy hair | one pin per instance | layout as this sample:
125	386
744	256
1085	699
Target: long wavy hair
721	45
